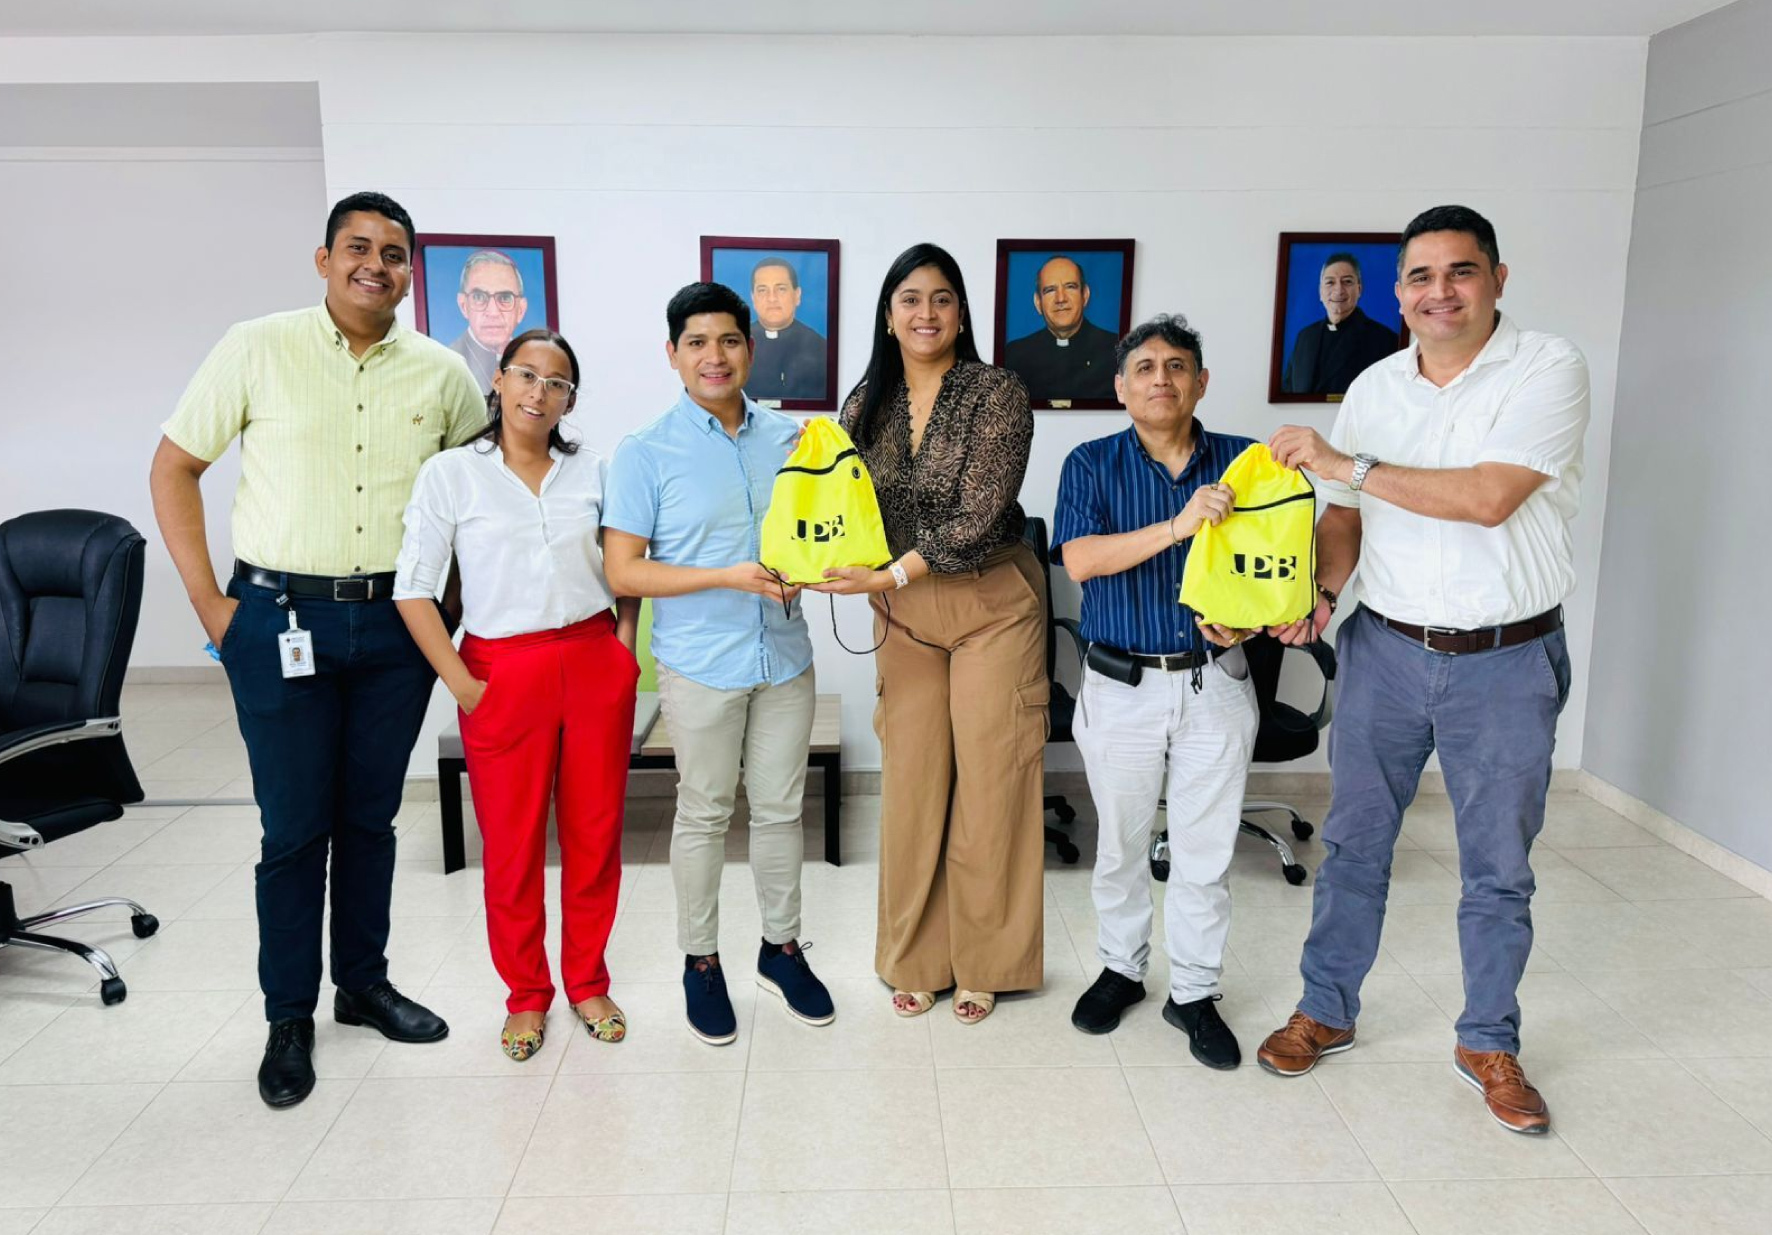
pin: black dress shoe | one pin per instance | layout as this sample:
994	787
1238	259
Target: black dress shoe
386	1010
1098	1011
287	1074
1208	1037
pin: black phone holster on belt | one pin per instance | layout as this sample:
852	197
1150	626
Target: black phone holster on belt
1113	663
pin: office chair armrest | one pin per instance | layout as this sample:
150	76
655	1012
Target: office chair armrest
37	737
1324	655
1070	627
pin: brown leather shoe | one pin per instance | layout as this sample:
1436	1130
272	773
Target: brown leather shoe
1295	1049
1512	1100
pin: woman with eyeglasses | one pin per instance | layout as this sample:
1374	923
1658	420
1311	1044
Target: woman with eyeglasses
960	618
545	677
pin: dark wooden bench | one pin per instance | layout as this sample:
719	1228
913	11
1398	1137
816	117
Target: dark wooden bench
652	751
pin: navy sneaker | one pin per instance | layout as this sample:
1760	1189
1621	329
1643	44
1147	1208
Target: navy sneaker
784	973
710	1009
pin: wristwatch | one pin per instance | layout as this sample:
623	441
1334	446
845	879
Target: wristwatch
1363	463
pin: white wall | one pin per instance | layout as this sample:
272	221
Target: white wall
1681	662
130	248
628	149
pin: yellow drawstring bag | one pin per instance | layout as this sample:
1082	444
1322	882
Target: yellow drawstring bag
1258	567
823	513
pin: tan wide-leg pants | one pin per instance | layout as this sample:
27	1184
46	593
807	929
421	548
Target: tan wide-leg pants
962	724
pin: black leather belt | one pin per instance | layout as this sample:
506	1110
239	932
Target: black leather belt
1175	662
319	587
1462	642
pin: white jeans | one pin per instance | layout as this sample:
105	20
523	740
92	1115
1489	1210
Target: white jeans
1127	734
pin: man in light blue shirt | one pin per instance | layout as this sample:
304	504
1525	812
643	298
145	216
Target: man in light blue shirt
682	523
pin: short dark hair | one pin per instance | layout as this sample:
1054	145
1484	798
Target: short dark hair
767	262
495	415
706	298
369	203
1349	258
1452	219
1172	328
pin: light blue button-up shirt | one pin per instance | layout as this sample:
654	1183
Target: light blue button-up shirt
698	495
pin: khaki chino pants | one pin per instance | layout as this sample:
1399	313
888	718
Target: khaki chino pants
962	724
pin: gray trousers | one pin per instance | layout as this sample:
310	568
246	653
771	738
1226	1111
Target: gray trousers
1492	716
769	729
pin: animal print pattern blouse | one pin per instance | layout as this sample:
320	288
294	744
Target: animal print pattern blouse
954	500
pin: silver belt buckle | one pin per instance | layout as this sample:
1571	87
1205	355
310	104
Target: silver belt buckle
1428	633
368	586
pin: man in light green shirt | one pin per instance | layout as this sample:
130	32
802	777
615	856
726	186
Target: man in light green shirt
335	407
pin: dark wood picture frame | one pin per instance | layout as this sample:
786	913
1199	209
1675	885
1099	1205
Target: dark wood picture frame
469	240
826	400
1282	278
1122	314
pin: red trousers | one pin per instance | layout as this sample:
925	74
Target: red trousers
554	726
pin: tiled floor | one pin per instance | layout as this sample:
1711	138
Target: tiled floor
1648	1009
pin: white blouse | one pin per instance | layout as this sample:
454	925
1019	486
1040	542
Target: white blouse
528	562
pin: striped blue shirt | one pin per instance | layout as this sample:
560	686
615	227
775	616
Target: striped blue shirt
1112	485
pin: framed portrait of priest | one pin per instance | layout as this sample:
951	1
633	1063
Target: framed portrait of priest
791	287
476	293
1062	306
1335	312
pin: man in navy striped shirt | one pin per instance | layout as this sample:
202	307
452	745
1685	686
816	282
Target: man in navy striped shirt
1163	698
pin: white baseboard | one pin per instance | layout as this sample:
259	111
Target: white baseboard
1748	874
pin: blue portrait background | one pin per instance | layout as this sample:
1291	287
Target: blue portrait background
1378	277
733	268
1105	273
443	263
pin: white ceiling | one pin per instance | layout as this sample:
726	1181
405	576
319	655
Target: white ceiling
926	17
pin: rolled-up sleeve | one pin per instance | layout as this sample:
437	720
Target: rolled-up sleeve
429	541
1545	417
999	437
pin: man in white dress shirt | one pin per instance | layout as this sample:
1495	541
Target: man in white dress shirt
1452	474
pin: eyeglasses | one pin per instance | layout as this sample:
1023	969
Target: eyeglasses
478	298
556	387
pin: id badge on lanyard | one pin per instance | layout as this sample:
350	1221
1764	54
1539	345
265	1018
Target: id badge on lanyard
295	646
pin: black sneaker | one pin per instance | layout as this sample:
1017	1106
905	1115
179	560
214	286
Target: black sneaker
389	1013
287	1074
1099	1009
783	972
710	1009
1208	1037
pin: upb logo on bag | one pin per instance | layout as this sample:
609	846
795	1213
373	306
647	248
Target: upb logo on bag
1258	567
819	531
1264	566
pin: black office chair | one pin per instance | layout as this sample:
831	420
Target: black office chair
1285	734
70	594
1063	707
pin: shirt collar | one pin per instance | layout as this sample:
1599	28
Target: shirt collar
706	421
329	328
1195	461
1503	342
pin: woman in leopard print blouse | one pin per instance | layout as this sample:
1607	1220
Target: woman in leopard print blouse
960	616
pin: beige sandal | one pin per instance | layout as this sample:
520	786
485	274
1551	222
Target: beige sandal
921	1002
981	999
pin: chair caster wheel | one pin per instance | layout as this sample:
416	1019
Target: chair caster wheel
1068	854
112	990
1295	874
1160	869
1302	829
144	925
1067	814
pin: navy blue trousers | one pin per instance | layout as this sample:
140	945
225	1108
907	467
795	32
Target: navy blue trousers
1492	716
329	755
